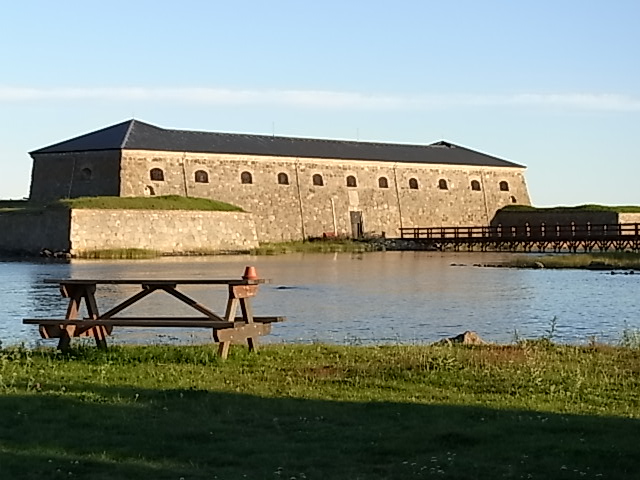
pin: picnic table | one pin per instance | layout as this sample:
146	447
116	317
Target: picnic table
226	328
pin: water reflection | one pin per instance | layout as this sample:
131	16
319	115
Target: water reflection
350	298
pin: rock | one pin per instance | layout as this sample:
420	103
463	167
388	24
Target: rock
466	338
595	265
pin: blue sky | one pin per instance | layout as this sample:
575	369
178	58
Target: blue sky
553	85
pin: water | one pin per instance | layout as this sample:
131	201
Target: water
390	297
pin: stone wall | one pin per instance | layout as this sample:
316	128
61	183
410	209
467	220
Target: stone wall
629	217
167	231
77	174
299	208
31	232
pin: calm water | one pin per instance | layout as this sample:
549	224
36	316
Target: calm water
409	297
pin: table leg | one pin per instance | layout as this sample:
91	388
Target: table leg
77	293
247	315
229	316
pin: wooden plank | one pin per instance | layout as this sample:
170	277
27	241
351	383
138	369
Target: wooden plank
223	349
135	322
243	291
156	282
113	320
241	334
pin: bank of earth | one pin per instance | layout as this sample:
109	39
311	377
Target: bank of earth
529	410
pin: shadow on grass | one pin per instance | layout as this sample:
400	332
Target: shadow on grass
171	434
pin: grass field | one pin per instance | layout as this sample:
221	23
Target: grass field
531	410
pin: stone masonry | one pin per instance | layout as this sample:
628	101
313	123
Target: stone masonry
301	209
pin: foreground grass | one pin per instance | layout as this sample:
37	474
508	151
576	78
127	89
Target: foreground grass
599	261
533	410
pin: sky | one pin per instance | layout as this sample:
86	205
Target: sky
552	85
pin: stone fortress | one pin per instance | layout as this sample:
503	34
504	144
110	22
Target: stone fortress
294	188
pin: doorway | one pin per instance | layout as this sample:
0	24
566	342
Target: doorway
357	227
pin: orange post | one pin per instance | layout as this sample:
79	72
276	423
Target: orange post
250	273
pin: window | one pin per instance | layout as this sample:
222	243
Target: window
317	180
85	174
413	184
383	182
351	181
514	199
246	178
149	191
202	177
504	186
283	178
475	185
157	174
442	184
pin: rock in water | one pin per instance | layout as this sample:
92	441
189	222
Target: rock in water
466	338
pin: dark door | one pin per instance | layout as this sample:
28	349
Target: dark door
357	228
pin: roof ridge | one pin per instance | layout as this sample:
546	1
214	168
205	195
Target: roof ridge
127	133
312	139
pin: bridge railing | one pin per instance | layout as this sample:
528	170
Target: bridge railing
524	232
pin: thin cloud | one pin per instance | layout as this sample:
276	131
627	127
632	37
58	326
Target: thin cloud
322	99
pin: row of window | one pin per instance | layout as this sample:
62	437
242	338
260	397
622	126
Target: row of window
283	179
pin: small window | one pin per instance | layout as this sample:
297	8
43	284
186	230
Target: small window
475	185
383	182
283	178
157	175
351	181
85	174
317	180
442	184
149	191
413	184
246	178
504	186
202	177
514	199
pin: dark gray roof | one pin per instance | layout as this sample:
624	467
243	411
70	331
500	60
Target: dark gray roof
137	135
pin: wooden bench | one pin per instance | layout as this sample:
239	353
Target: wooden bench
226	329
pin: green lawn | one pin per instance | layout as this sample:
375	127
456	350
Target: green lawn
532	410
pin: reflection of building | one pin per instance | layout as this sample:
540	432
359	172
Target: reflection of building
295	187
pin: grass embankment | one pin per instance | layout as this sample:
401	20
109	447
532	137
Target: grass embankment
594	261
577	208
321	246
167	202
317	246
532	410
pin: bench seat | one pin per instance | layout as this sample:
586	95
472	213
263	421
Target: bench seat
184	322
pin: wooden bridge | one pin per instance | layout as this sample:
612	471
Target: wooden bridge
618	237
